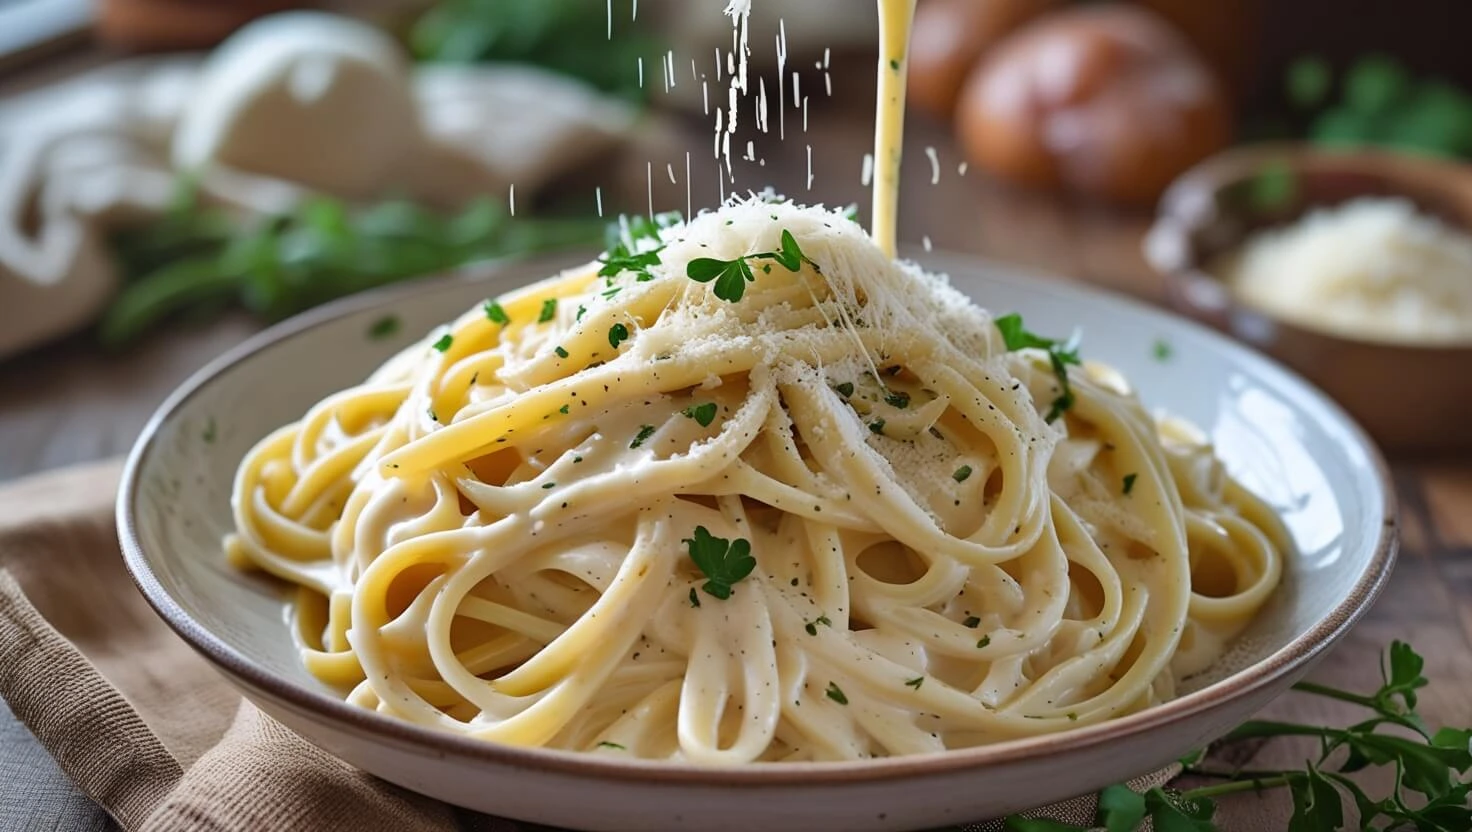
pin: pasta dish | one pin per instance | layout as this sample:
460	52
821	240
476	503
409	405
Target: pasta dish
745	489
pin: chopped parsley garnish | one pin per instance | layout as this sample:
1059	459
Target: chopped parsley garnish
613	745
645	431
384	327
1060	355
915	682
971	622
845	389
496	313
983	641
962	474
723	562
444	342
835	693
549	310
433	416
563	410
617	334
561	353
582	310
1129	482
702	413
694	598
812	626
731	276
899	401
894	65
1162	350
549	485
877	427
210	431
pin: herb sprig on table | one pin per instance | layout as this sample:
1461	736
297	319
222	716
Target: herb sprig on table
200	259
1431	785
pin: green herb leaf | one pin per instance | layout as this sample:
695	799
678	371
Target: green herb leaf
1121	809
612	745
385	327
617	334
496	313
210	431
1060	354
724	562
694	598
971	622
1161	350
846	389
962	474
812	626
898	401
561	353
835	693
444	342
549	310
645	431
563	410
915	682
877	427
983	642
1129	482
704	414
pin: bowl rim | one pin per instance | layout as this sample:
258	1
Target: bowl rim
1297	655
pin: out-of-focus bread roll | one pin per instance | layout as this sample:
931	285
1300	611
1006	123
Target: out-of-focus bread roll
1107	101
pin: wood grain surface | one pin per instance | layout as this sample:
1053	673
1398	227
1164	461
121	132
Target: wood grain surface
69	402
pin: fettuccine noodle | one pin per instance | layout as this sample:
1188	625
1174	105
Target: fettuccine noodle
494	534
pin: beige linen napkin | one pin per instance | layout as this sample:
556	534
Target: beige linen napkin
143	725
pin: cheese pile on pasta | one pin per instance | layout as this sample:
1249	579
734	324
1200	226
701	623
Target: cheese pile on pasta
748	490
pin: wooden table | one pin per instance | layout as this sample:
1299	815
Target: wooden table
70	402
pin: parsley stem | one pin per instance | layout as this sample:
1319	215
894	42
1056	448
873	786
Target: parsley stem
1253	785
1335	693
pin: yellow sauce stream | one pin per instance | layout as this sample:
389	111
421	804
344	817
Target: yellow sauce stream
895	19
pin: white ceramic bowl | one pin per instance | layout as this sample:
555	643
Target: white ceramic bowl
1281	437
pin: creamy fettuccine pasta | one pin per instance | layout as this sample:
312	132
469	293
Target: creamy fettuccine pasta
839	516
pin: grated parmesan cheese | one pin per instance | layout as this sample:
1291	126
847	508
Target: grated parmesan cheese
1371	269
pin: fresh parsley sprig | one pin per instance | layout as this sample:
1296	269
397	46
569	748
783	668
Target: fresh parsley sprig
731	276
724	562
1060	355
1431	785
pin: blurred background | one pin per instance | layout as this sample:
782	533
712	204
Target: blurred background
177	174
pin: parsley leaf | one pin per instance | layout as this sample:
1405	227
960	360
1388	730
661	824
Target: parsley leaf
731	276
694	599
496	313
1162	350
962	474
835	693
444	342
899	401
915	682
617	334
549	310
971	622
561	353
384	327
1060	354
845	389
812	626
983	642
1129	483
724	562
612	745
645	431
704	414
1121	809
877	427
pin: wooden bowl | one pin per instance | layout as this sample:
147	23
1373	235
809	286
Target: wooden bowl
1410	398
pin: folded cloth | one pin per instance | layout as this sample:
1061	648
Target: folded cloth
145	727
